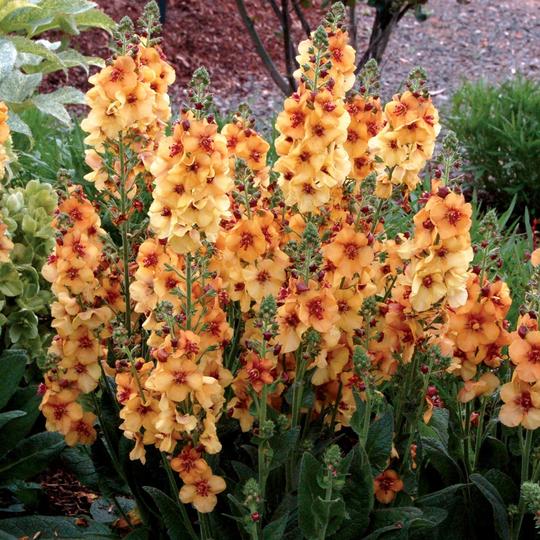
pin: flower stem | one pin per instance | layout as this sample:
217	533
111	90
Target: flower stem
479	434
526	446
174	495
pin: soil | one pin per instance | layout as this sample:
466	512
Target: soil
65	494
483	39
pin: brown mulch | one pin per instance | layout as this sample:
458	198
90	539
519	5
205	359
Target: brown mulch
66	496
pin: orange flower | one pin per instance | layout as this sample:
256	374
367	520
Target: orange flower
82	431
177	377
318	308
521	404
246	240
120	77
189	464
259	371
525	353
290	326
349	252
387	485
201	493
484	386
61	410
473	329
451	215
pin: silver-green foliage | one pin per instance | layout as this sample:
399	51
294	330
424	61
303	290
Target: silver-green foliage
26	56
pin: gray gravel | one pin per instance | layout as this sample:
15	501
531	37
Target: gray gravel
486	39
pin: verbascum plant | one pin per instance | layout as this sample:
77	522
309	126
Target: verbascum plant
310	336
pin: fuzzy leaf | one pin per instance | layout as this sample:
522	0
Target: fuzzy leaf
169	512
8	55
54	527
16	360
31	456
500	514
379	441
18	87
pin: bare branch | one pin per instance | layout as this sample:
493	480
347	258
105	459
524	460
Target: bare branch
380	35
301	17
287	43
353	30
275	8
261	50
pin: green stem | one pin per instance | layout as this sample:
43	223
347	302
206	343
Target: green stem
479	434
298	392
188	291
125	234
298	387
174	495
206	530
467	440
263	443
336	407
526	447
327	497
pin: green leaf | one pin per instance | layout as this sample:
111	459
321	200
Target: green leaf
276	529
437	428
78	462
16	360
51	107
54	527
357	418
141	533
379	441
438	456
439	498
358	494
103	510
8	55
389	519
31	456
25	45
169	512
10	282
506	487
27	400
309	492
18	87
500	514
282	444
53	103
10	6
6	417
95	19
17	125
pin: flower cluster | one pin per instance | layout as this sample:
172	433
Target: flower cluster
81	317
407	140
439	251
521	396
178	394
192	181
313	126
129	107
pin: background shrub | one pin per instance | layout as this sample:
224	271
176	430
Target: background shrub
499	127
